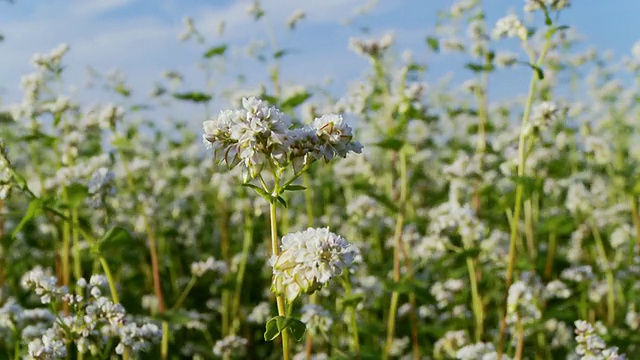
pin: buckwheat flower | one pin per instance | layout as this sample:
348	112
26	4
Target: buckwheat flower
304	356
505	59
138	338
450	343
533	5
188	30
49	346
398	346
43	285
372	48
109	116
561	334
556	289
316	318
591	345
309	259
521	304
600	148
632	318
231	346
544	114
510	26
578	274
295	18
260	314
335	137
199	268
479	351
247	136
452	44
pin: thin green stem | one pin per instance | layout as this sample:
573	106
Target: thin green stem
519	187
185	293
611	301
276	251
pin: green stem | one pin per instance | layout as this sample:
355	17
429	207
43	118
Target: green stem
276	251
185	293
611	301
398	246
519	188
478	313
246	247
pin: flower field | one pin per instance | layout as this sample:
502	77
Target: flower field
404	218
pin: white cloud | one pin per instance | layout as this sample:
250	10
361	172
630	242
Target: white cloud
91	8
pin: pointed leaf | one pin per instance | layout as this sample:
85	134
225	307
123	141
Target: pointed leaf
282	201
433	43
193	96
293	187
295	100
114	237
391	144
76	194
34	209
215	51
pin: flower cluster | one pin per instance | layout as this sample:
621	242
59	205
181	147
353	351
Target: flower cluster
309	259
591	345
510	26
231	346
5	171
91	320
261	134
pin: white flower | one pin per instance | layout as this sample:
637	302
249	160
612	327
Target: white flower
317	319
510	26
230	346
335	137
309	259
544	114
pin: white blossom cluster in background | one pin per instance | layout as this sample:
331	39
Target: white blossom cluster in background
488	210
93	320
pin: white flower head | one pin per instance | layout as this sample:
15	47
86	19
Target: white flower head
309	259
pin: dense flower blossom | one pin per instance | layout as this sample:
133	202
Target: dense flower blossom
309	259
261	134
591	345
316	318
510	26
231	346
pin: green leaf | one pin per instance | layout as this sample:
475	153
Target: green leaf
215	51
271	331
76	194
295	100
114	237
280	53
433	43
390	144
536	68
122	90
35	208
479	67
282	201
293	187
258	190
193	96
5	117
352	300
276	325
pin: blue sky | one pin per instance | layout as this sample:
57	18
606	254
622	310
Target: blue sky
140	37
